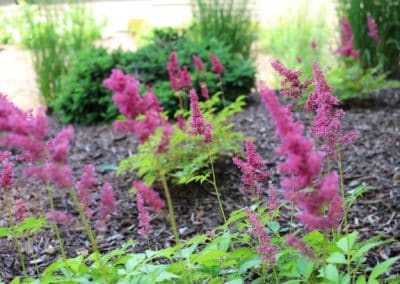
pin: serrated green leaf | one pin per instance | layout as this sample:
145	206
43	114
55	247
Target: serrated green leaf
346	243
5	232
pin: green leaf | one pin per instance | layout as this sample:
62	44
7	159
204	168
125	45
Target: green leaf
236	281
305	268
383	267
273	226
337	257
165	275
5	232
134	261
364	249
30	224
330	273
346	243
250	263
361	280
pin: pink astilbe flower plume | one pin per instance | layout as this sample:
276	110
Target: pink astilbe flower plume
373	29
20	210
6	179
4	155
197	122
198	64
185	81
291	85
273	200
253	170
167	131
144	217
216	65
181	122
265	248
204	91
327	125
150	196
107	206
60	217
317	198
295	242
85	187
346	48
314	44
131	104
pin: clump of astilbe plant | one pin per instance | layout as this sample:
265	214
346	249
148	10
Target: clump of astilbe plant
46	160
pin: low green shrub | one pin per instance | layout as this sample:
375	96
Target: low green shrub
85	100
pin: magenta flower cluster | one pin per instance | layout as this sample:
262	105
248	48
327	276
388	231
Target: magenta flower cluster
317	197
46	159
373	29
198	124
326	125
291	85
179	77
346	48
131	105
253	170
295	242
265	248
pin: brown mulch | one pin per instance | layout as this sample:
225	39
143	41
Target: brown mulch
373	160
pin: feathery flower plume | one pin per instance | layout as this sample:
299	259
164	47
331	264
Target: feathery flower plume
150	196
107	202
292	78
216	66
273	200
373	29
265	248
253	170
20	211
60	217
181	122
327	125
295	242
185	80
174	72
84	187
347	40
317	198
204	91
6	179
197	122
131	104
198	63
164	143
144	217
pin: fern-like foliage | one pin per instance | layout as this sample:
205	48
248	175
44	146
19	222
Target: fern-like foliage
188	157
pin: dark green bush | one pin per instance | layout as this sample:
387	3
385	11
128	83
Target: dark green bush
386	13
84	99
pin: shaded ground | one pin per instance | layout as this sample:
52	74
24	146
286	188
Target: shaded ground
373	160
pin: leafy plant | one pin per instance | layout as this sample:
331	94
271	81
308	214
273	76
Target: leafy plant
228	21
386	14
181	164
54	35
352	81
84	99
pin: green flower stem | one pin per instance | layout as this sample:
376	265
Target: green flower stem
344	219
222	91
214	183
169	204
54	225
12	226
89	233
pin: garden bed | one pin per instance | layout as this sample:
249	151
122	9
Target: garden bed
373	159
